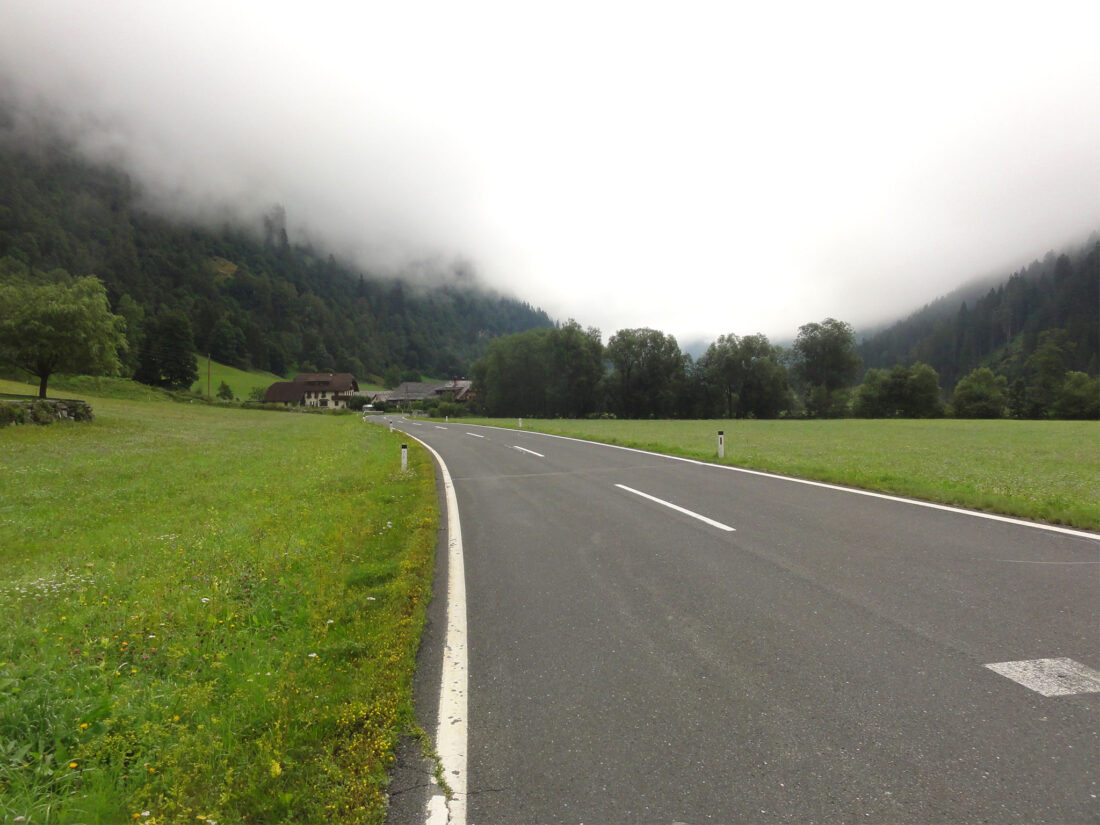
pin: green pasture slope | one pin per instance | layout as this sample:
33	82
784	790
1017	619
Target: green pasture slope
210	613
1042	470
242	382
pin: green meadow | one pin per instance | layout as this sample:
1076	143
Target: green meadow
210	613
242	382
1042	470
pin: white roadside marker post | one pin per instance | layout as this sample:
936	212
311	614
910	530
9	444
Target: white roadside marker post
521	423
404	457
721	444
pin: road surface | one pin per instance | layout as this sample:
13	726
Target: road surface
652	640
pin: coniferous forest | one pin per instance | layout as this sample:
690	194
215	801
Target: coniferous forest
1055	298
250	297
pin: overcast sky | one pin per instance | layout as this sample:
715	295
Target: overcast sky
699	168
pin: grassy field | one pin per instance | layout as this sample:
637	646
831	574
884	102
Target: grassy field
210	614
1043	470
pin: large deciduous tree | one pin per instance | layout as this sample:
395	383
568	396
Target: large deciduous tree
647	372
980	394
902	392
60	327
168	353
749	374
542	372
825	358
576	371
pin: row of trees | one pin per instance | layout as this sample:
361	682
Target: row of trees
566	371
641	373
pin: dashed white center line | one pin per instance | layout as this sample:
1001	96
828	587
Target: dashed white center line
1051	677
439	428
475	435
677	508
525	450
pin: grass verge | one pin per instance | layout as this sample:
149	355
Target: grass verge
210	614
1042	470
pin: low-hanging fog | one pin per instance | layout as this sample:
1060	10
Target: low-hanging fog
699	168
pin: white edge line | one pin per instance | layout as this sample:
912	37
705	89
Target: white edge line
678	508
525	450
1035	525
451	725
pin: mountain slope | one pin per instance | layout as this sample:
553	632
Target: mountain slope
1002	327
253	298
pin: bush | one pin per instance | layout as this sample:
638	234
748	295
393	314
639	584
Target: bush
357	402
980	394
450	408
42	413
12	414
1079	397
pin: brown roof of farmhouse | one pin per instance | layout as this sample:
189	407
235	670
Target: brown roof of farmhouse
331	381
292	392
284	392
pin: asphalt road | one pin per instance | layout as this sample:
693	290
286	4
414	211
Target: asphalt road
823	661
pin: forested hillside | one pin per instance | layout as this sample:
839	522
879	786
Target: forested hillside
251	297
1059	295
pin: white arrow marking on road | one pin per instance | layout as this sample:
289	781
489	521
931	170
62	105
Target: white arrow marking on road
677	508
525	450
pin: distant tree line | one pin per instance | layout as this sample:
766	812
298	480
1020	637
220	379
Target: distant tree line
250	299
567	372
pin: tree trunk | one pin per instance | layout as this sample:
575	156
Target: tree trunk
42	385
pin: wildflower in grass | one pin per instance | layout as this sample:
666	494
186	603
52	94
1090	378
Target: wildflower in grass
72	765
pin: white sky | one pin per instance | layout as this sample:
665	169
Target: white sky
699	168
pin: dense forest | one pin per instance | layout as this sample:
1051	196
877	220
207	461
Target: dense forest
249	297
1002	329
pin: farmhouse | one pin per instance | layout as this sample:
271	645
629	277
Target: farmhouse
314	389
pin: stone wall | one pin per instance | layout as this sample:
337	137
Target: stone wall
42	410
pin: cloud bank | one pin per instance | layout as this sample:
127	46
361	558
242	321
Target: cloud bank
702	169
